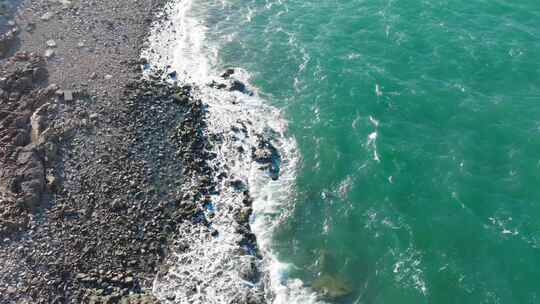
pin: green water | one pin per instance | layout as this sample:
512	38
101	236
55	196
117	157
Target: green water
442	205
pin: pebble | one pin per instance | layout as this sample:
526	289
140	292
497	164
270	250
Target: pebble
51	183
49	53
47	16
68	95
51	43
65	2
108	77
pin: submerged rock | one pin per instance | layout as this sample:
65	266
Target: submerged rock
332	286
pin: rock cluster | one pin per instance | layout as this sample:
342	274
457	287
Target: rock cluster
114	213
27	141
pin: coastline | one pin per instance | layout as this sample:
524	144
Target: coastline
116	173
145	154
125	173
253	168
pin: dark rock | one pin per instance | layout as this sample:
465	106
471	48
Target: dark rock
180	98
239	86
227	73
39	74
267	155
238	185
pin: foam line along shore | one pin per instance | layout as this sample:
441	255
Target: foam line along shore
253	168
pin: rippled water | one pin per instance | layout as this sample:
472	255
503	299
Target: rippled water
418	128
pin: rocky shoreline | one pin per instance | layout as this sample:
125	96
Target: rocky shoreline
98	165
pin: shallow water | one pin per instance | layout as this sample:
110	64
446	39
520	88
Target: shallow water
417	126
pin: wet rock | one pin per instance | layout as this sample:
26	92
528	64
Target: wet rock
239	86
227	73
238	185
218	85
172	75
268	156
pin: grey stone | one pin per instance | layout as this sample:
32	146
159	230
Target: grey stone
47	16
49	53
68	95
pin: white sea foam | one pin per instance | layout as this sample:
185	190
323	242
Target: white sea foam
214	268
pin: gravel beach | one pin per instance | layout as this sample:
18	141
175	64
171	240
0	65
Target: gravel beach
89	175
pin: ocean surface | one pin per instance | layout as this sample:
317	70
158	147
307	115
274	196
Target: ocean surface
414	161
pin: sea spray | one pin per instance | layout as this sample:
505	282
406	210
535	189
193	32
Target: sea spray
215	259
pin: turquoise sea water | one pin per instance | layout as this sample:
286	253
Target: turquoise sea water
418	126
